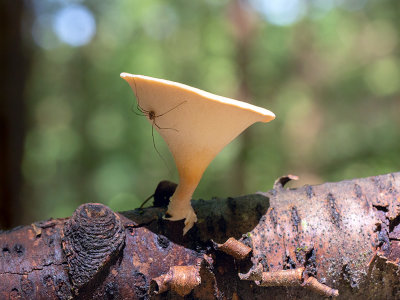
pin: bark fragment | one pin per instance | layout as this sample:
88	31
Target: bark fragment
283	180
91	239
235	248
320	288
180	279
292	277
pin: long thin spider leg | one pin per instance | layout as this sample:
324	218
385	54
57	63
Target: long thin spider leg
171	109
138	107
139	114
136	95
139	111
133	109
154	123
158	152
145	111
142	110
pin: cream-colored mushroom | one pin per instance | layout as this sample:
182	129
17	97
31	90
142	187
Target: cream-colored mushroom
196	125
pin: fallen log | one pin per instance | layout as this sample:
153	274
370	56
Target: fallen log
331	240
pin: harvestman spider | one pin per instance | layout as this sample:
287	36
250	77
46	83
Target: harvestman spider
151	114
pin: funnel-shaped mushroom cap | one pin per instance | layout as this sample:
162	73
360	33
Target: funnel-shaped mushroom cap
196	125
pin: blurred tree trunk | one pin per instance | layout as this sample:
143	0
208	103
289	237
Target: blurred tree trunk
13	74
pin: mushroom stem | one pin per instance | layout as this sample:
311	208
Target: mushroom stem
180	207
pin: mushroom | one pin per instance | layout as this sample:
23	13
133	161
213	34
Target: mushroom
196	125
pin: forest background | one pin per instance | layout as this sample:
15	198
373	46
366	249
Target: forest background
329	70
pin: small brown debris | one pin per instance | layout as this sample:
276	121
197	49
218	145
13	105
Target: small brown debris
282	278
314	285
236	249
180	279
37	230
281	181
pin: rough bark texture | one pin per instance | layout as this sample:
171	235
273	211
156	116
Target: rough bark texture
308	243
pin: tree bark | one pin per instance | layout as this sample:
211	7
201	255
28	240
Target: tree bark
335	239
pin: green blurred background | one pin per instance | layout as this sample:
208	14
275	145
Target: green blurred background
329	70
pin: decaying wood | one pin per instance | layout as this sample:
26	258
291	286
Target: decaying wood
331	240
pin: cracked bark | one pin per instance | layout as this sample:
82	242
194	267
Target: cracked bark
307	243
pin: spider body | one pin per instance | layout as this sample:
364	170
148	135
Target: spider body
152	115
